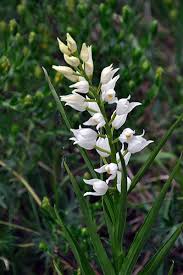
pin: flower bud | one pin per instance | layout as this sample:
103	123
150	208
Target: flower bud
71	43
107	74
68	72
72	60
63	48
84	54
89	64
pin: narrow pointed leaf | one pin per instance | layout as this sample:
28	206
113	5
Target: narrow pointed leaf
170	272
153	265
92	229
152	156
143	233
79	255
68	124
122	207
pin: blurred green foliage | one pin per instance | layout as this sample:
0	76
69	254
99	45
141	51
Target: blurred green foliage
145	40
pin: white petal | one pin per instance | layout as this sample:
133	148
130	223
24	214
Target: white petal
91	194
110	178
137	144
110	85
101	169
90	121
132	105
127	158
119	121
89	182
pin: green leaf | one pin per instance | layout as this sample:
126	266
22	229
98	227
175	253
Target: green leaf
122	206
92	229
151	158
158	258
79	255
170	272
143	233
57	268
68	124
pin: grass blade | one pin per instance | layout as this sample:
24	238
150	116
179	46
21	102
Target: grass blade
122	208
23	181
79	255
143	233
170	272
157	149
92	229
153	265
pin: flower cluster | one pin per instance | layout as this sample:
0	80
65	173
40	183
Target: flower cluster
86	97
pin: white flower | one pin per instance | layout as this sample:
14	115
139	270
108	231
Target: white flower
118	121
107	74
92	107
109	85
135	143
71	43
109	96
80	87
88	66
110	169
96	120
103	143
99	186
84	137
63	48
124	106
84	54
126	135
75	101
119	174
71	60
138	143
67	72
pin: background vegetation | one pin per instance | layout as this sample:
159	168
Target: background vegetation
143	38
